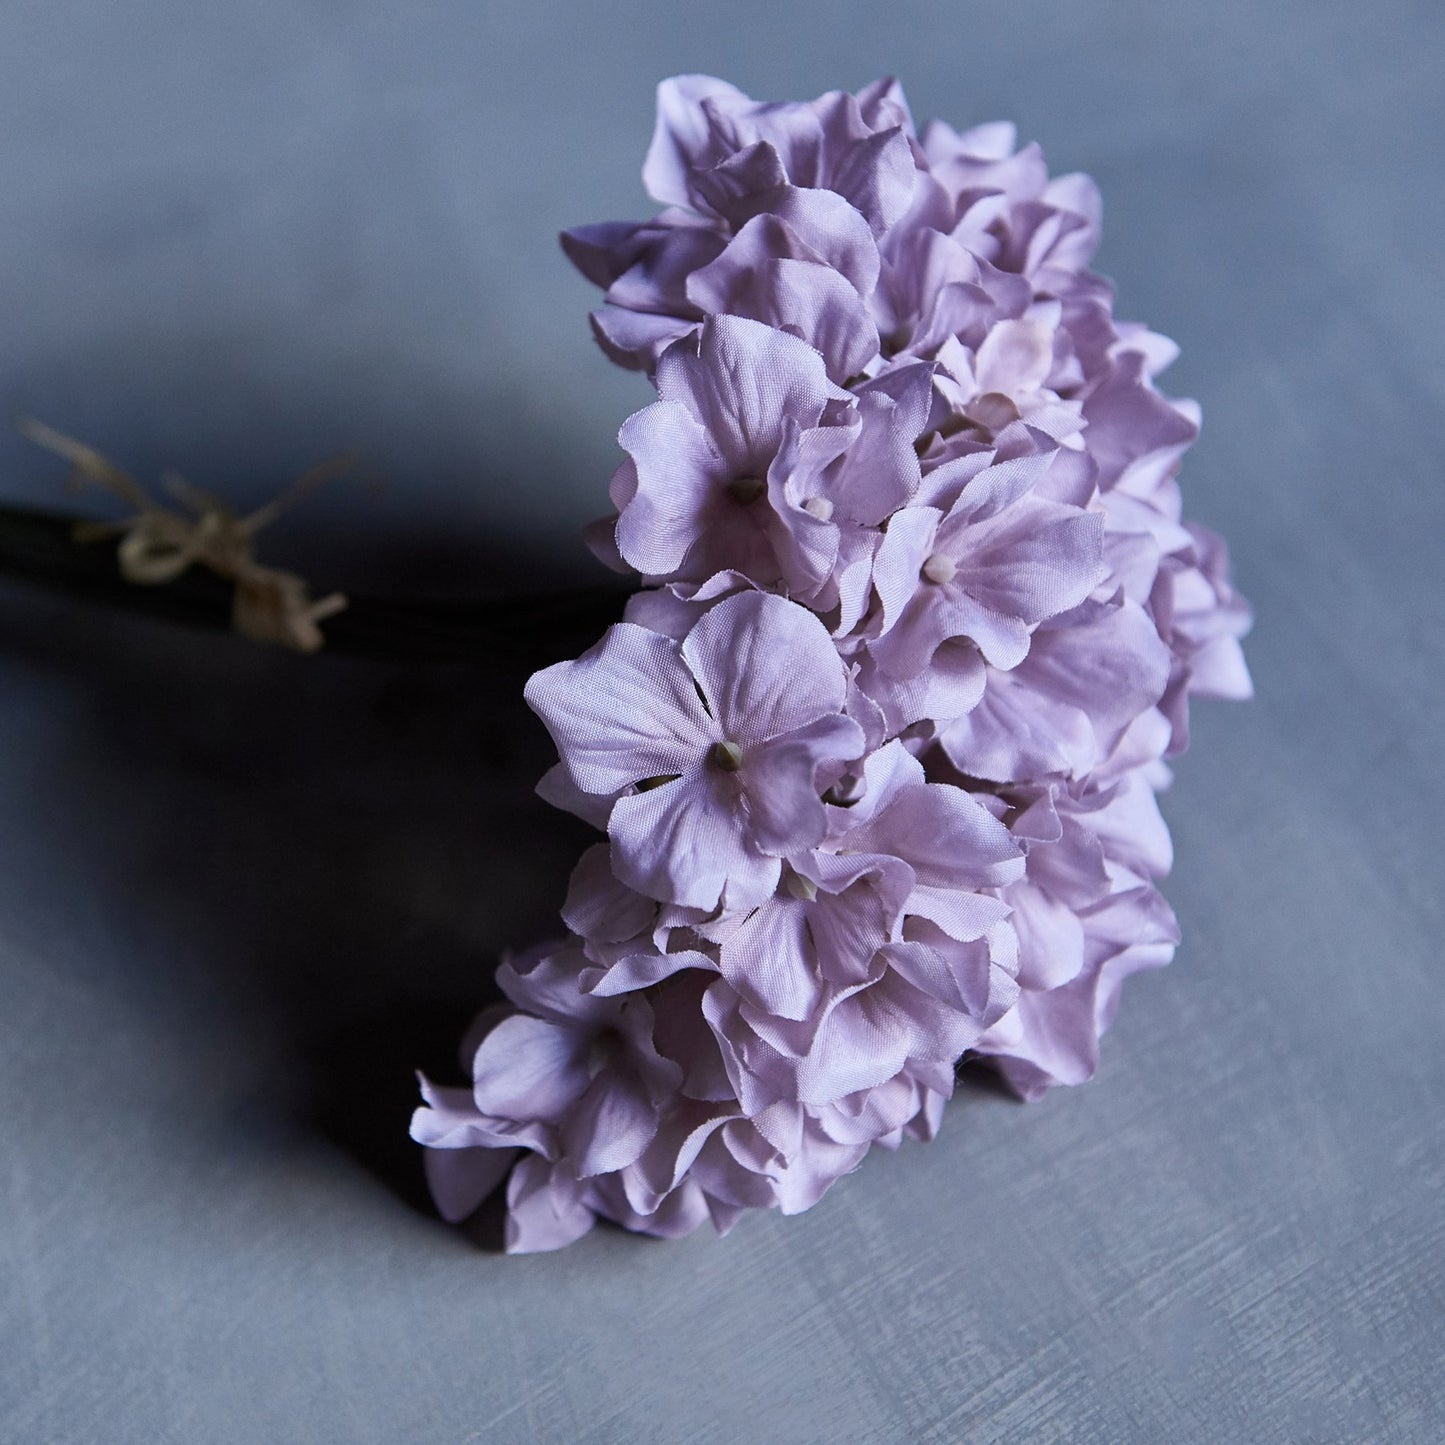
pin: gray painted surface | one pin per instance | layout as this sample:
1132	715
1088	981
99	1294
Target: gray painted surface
241	894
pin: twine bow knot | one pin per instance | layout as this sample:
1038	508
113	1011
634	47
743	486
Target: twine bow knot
159	543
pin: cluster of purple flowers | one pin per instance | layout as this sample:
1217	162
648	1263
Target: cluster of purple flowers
877	746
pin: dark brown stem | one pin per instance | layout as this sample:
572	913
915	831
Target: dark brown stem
519	634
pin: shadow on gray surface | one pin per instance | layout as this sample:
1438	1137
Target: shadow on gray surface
319	859
983	1080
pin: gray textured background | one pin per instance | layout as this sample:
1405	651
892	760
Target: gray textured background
241	894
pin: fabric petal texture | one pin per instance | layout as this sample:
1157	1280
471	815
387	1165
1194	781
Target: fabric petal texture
875	756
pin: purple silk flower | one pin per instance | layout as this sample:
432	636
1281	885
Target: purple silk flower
877	749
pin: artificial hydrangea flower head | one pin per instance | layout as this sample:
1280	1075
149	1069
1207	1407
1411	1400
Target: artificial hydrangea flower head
876	750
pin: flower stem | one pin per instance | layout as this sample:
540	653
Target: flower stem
517	633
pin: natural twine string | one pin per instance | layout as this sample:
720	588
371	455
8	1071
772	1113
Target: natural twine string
158	543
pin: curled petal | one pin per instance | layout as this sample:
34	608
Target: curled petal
740	382
610	1125
545	1209
460	1179
766	667
528	1068
622	712
683	136
678	472
683	842
785	810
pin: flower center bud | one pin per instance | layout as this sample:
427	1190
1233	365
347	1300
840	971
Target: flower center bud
727	756
939	568
746	489
803	889
819	507
993	410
